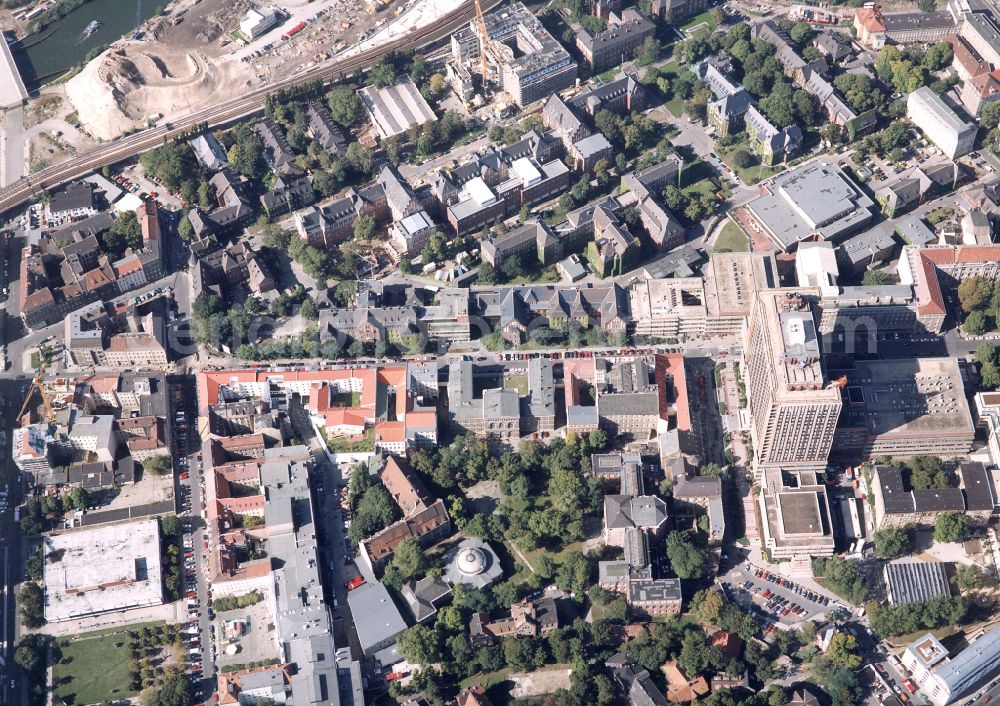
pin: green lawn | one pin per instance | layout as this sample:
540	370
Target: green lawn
674	105
609	74
345	444
346	399
731	239
703	18
97	669
755	172
516	382
940	214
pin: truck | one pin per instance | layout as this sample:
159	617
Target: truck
293	31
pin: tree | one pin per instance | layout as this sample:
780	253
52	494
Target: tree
170	526
694	655
274	236
742	158
175	691
927	472
31	604
649	52
419	645
989	376
950	527
375	511
837	681
345	106
519	653
31	654
364	227
360	158
968	577
309	310
936	612
79	498
927	5
975	323
843	578
436	84
487	274
843	650
892	542
986	353
876	278
708	605
124	233
383	74
246	156
157	465
597	440
686	559
938	57
974	293
409	559
989	116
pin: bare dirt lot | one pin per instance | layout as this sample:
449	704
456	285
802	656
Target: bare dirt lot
192	57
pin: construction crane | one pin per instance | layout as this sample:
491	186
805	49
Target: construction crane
486	44
36	384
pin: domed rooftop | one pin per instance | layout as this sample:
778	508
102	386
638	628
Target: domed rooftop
471	561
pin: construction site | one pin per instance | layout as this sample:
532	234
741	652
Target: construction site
195	55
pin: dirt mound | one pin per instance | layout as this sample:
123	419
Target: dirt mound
157	70
120	89
201	25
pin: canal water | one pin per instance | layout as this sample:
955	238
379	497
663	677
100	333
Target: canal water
44	56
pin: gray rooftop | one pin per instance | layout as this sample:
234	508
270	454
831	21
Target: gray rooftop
976	663
301	619
645	590
915	581
376	616
817	198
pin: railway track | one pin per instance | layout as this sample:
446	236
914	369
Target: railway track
25	188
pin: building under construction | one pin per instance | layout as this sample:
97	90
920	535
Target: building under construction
515	53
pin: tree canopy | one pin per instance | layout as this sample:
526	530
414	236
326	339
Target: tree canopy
892	542
687	559
950	527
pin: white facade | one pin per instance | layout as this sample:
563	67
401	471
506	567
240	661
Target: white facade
256	22
940	124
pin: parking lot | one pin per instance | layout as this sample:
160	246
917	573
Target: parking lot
775	599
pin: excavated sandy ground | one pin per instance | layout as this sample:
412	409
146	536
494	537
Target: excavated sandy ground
121	88
179	66
186	61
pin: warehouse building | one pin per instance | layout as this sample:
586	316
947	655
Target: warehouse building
105	570
396	109
814	200
914	581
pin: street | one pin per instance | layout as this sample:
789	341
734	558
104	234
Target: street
191	494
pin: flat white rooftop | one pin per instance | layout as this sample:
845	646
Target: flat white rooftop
12	90
102	570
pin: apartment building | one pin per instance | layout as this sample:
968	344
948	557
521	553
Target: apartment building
620	42
793	406
940	124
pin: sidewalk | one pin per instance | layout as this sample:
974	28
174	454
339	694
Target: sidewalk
168	612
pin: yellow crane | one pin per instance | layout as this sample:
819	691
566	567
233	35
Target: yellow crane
486	44
36	384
